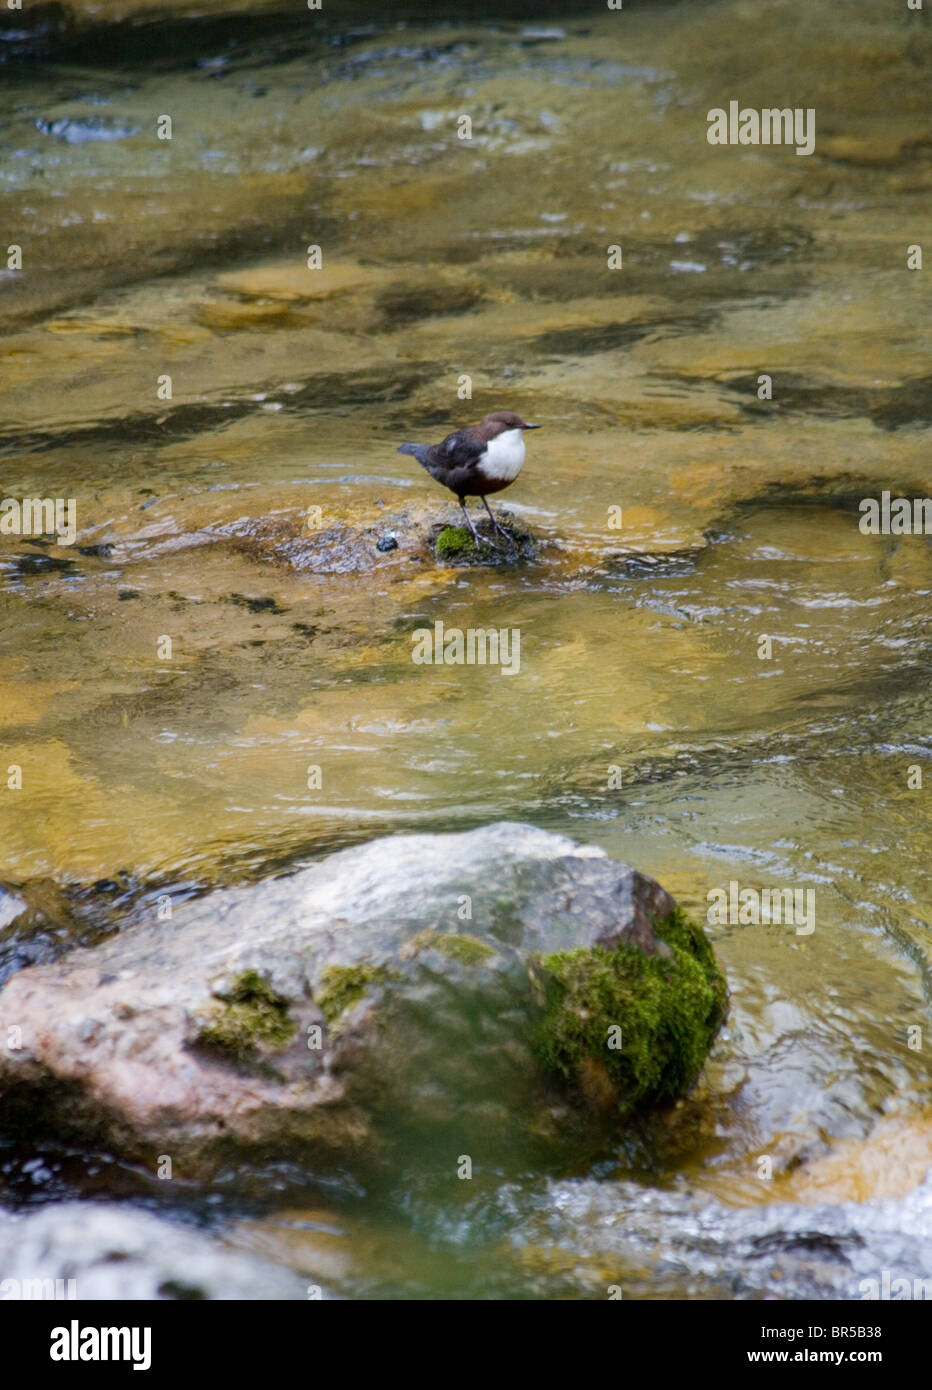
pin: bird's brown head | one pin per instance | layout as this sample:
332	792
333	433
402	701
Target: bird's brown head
501	420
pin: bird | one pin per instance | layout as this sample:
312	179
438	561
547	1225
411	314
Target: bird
477	460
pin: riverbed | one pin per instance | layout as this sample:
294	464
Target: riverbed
682	514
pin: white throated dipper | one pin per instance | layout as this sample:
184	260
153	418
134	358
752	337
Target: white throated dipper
477	460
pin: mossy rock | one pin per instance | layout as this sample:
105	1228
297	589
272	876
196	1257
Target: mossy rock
454	545
345	1018
458	946
454	542
342	986
253	1019
635	1026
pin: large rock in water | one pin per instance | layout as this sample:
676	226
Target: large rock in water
420	989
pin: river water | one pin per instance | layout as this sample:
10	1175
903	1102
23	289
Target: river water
644	718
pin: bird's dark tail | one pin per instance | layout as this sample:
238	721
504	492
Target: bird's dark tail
418	451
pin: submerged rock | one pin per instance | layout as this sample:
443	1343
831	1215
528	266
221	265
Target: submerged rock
113	1252
418	989
37	922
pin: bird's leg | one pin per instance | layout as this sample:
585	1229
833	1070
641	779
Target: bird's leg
500	529
480	540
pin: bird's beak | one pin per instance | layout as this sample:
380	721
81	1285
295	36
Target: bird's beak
532	427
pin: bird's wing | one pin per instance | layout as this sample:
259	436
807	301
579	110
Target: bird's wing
461	449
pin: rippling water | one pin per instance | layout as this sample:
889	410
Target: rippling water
639	642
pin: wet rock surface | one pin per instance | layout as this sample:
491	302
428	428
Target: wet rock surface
118	1252
11	906
455	545
407	985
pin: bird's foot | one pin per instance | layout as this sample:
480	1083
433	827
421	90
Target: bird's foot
496	526
479	540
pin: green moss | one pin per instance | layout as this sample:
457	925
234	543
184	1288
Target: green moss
468	950
341	986
252	1016
454	540
668	1010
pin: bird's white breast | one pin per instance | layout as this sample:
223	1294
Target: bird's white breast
504	456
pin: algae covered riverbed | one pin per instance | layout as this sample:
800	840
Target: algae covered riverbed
680	517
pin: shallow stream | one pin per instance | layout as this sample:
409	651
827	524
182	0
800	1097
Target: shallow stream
488	258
